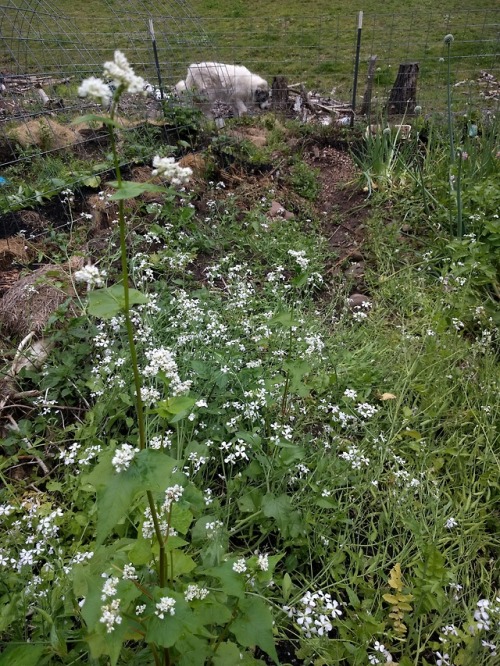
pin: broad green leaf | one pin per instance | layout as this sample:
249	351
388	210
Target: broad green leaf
194	651
167	631
228	654
278	508
91	181
253	626
129	189
175	408
181	518
150	470
181	563
285	319
107	303
232	583
21	655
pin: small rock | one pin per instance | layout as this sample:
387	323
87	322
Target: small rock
356	270
277	210
359	301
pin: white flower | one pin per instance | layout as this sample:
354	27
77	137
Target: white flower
195	592
300	258
170	170
129	572
95	89
109	587
123	457
172	494
110	615
263	562
450	523
350	393
165	605
324	625
240	566
122	74
442	659
91	275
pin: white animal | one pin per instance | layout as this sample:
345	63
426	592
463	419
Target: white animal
232	84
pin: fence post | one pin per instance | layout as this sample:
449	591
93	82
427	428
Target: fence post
356	66
155	53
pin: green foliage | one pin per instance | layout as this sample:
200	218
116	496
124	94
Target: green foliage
304	180
241	448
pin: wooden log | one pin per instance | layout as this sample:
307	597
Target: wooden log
403	97
279	98
367	97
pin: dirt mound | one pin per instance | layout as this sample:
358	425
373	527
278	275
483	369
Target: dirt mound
29	303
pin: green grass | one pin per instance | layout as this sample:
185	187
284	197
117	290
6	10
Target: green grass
315	46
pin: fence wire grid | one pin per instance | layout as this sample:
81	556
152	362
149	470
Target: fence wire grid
45	53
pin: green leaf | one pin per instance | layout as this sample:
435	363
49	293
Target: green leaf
286	320
150	470
167	631
278	508
181	518
181	563
253	626
286	587
21	655
228	654
91	181
129	189
179	406
92	117
232	583
194	651
107	303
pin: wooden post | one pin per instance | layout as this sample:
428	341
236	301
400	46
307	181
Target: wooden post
279	98
403	97
367	97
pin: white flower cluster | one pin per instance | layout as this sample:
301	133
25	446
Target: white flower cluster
316	613
172	494
355	457
96	89
162	360
120	74
169	169
109	588
195	592
123	457
240	565
165	605
300	258
111	615
91	275
380	653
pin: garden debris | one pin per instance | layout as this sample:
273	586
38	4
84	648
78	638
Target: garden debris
44	133
196	162
12	250
28	305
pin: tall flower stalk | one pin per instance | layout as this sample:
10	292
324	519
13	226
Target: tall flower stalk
122	78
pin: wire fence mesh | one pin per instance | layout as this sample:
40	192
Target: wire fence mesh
45	52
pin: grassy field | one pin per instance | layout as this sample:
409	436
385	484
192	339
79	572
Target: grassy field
314	44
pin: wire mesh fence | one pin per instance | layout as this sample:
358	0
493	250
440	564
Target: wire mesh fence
46	51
